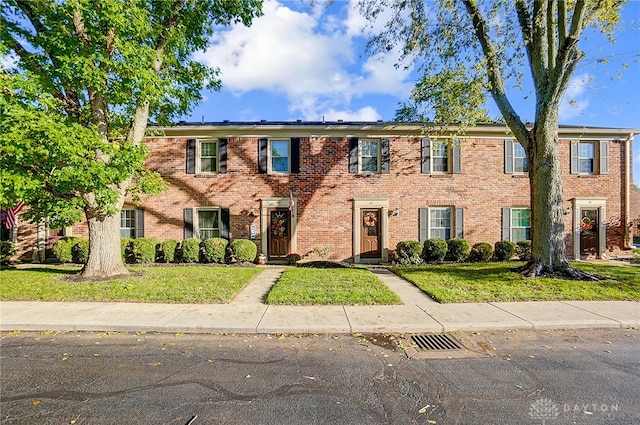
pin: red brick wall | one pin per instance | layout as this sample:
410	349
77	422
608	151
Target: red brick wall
325	190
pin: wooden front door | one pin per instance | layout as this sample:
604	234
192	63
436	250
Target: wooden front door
370	242
279	235
589	232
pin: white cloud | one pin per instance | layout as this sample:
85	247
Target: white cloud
575	101
366	113
311	58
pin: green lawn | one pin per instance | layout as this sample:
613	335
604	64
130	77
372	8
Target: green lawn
482	282
320	286
150	284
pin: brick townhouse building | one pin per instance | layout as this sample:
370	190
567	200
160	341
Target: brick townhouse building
355	189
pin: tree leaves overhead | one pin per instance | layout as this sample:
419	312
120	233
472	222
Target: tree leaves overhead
442	38
88	74
73	47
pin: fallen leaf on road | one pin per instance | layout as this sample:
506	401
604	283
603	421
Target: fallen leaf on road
35	402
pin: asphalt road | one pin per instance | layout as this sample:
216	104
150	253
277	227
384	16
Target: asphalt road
510	377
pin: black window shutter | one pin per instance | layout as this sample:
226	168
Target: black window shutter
140	223
191	156
424	224
188	223
604	157
295	154
575	164
457	158
353	155
222	151
224	223
426	156
459	223
385	152
506	224
262	155
508	156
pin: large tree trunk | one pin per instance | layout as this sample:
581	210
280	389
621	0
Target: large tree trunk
548	252
547	219
105	258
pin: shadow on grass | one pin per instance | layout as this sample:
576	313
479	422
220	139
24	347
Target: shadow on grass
44	269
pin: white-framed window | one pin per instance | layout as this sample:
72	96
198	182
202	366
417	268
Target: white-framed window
279	158
207	223
207	156
515	158
590	157
440	223
441	157
128	223
444	222
520	224
516	224
369	152
586	157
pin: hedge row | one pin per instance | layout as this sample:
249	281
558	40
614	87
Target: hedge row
150	250
435	250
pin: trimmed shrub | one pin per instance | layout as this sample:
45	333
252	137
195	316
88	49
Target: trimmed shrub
190	250
458	249
505	250
409	253
126	250
434	249
169	249
144	250
7	249
214	250
481	251
523	249
244	249
80	251
62	248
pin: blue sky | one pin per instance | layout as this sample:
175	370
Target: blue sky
301	63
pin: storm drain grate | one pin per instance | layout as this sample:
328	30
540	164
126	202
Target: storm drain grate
436	342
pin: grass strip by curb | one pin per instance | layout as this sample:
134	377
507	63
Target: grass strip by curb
497	281
191	285
310	286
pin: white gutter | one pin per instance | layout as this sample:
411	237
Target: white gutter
627	191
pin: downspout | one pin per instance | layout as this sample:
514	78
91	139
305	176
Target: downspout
627	191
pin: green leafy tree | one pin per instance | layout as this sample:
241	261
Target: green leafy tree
468	48
88	76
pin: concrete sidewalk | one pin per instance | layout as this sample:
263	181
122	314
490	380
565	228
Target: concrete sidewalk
248	314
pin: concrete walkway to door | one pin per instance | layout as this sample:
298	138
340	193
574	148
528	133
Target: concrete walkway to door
247	313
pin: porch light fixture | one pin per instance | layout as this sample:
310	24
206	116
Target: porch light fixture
252	212
395	212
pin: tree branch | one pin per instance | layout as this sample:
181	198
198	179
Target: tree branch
494	75
551	35
67	97
141	115
97	103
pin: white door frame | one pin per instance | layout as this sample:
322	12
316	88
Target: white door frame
599	204
383	205
265	204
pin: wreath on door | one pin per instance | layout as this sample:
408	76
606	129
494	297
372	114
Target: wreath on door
370	219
